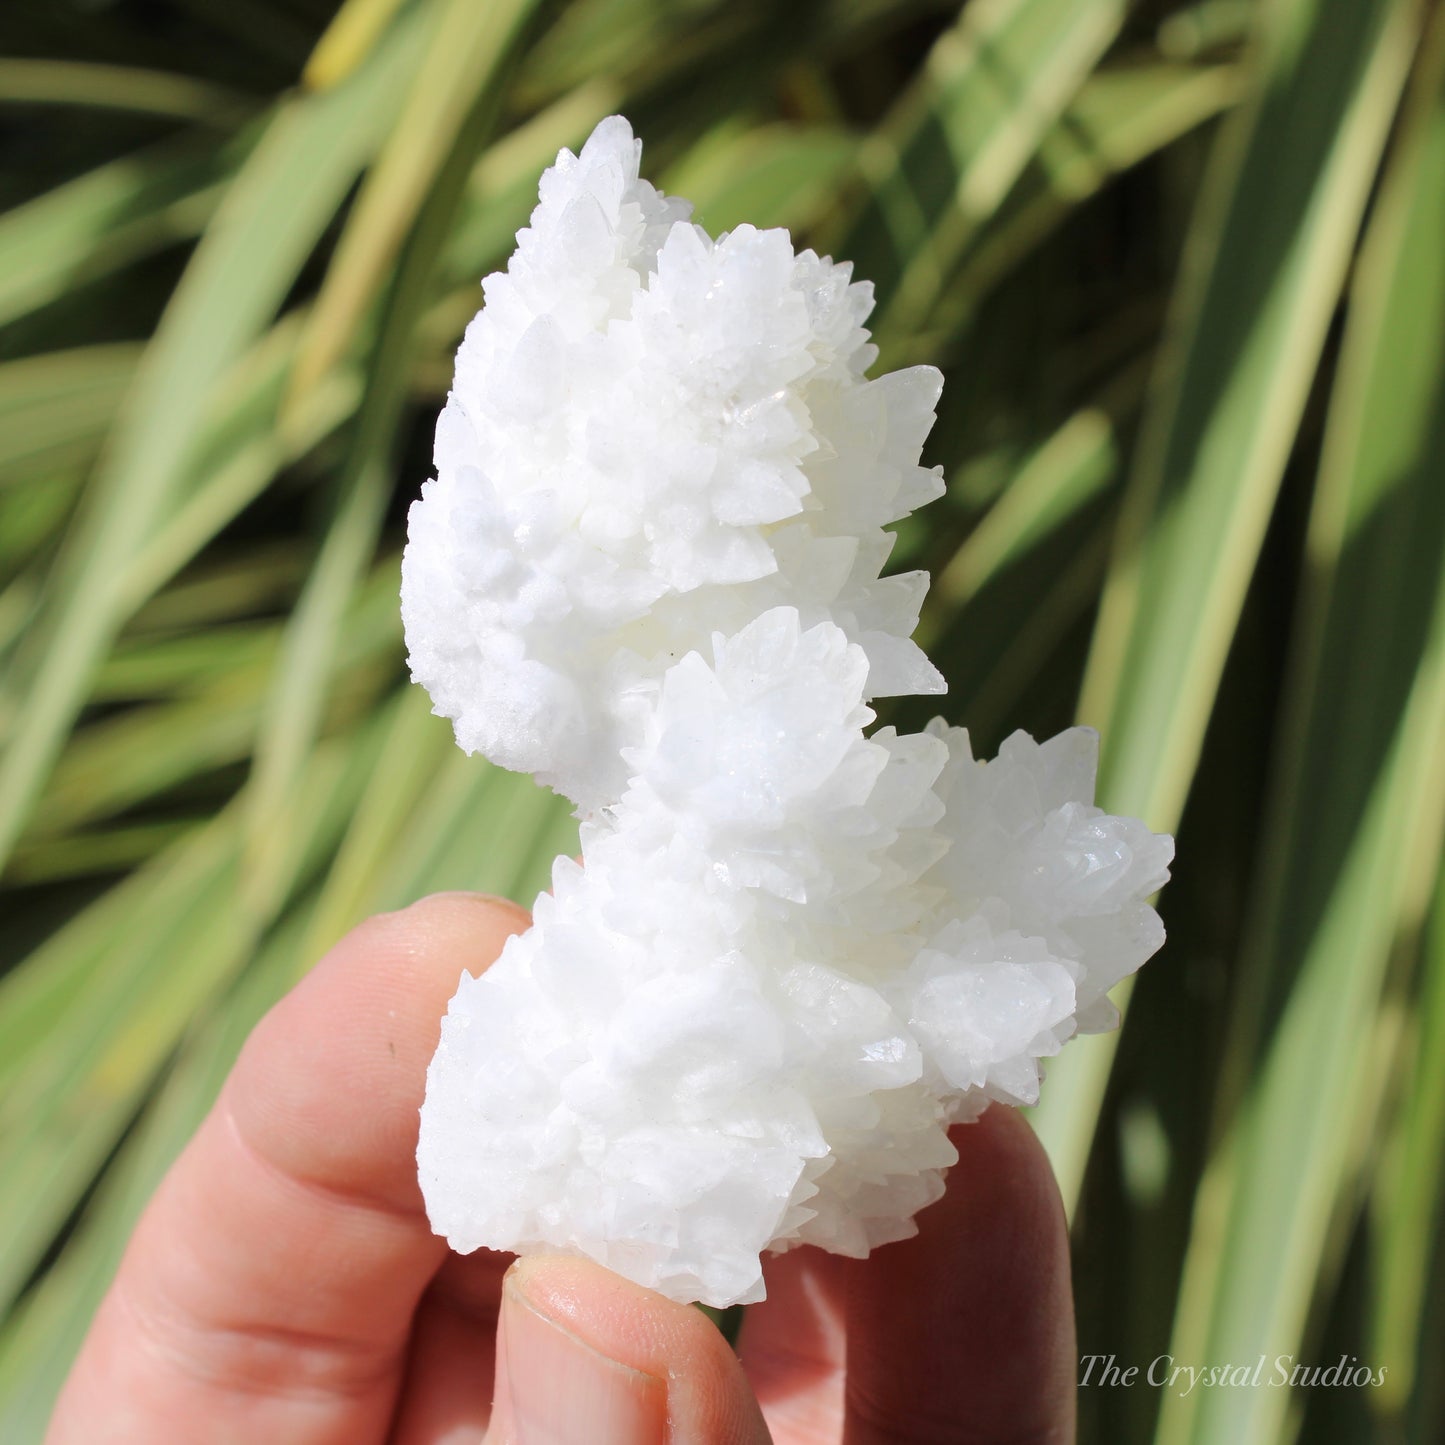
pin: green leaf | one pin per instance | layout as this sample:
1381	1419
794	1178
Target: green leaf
107	1011
1405	1208
1206	26
105	1030
1278	223
227	589
1354	826
354	32
472	829
31	516
41	1339
1278	226
119	87
1120	117
272	216
238	453
182	665
297	696
1062	474
442	821
502	188
144	752
771	175
93	226
420	744
55	408
467	49
952	149
99	851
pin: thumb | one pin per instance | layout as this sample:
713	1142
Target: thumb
585	1357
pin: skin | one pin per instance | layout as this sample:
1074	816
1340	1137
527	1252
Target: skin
284	1286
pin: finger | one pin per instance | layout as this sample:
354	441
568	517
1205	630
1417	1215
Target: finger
906	1322
446	1395
588	1358
267	1292
965	1333
793	1346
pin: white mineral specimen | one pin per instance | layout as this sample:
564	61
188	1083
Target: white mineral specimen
652	436
648	572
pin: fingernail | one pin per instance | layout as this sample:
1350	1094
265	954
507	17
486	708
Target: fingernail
559	1390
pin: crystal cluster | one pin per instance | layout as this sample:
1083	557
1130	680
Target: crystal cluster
648	572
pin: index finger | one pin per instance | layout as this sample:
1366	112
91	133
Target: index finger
962	1334
267	1292
965	1333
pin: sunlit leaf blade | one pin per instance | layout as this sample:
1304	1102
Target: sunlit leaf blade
1121	117
98	223
1278	225
120	761
126	1005
1288	1163
502	188
418	746
769	176
43	989
1283	213
953	148
458	836
31	518
346	42
1406	1210
298	693
95	852
114	764
1060	477
55	408
41	1338
1355	826
465	52
227	590
66	1104
1204	26
271	218
118	87
150	668
238	453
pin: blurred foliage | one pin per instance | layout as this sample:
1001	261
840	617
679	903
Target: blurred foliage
1183	266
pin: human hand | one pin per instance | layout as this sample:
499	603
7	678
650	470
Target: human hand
284	1286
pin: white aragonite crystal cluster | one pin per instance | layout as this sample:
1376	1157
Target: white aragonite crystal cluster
794	952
